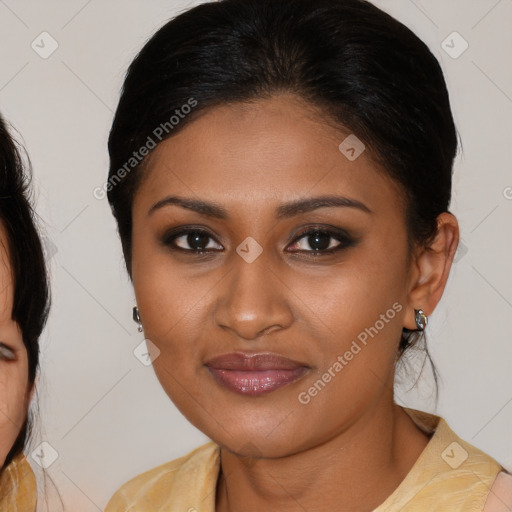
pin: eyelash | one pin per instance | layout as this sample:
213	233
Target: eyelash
345	241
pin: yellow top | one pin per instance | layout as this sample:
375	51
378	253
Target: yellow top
449	475
18	489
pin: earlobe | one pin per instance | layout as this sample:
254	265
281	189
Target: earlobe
431	269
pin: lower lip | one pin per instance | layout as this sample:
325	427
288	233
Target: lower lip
256	382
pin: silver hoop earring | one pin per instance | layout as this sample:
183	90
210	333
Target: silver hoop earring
421	319
136	318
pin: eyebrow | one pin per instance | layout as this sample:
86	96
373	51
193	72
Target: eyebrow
284	211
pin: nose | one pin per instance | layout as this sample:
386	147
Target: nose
252	299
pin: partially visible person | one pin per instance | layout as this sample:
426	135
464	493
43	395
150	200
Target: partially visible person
24	305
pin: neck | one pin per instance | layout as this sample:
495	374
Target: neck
354	470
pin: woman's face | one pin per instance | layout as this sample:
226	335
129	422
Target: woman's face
265	345
14	388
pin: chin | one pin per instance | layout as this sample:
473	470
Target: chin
261	440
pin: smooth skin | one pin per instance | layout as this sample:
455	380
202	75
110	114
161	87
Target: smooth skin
350	446
15	392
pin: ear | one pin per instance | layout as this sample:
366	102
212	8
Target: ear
430	269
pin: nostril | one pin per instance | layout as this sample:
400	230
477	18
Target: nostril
267	330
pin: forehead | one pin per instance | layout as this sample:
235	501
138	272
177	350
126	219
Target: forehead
262	152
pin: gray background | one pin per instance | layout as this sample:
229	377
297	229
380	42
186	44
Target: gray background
102	411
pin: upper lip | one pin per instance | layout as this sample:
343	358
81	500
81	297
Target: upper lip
258	361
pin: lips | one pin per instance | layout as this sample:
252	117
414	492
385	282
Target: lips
255	373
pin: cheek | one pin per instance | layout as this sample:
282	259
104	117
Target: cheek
361	311
13	403
368	289
172	305
166	297
172	308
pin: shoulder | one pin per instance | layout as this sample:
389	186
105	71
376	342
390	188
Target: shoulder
18	488
500	495
446	450
450	473
185	479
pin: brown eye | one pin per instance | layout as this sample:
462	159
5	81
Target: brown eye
322	241
6	353
192	241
